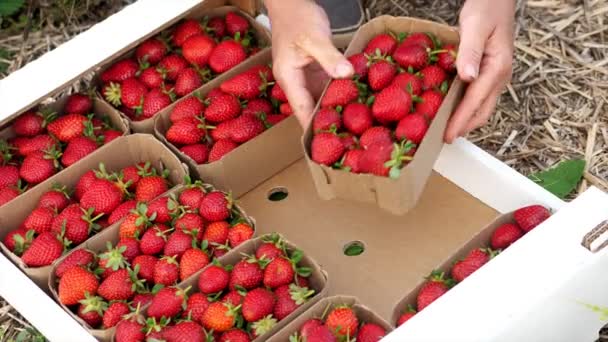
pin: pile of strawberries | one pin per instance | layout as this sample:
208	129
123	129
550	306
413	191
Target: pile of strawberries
44	143
237	111
234	303
160	244
63	220
526	219
163	68
374	122
340	324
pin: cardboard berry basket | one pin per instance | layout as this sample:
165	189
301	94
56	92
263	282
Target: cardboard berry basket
56	105
263	156
98	244
206	9
322	308
400	195
123	152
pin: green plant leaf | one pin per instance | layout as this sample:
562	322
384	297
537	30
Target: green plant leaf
10	7
562	179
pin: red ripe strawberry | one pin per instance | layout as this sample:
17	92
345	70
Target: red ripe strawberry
154	101
531	216
151	78
505	235
391	104
309	325
278	272
320	334
343	321
90	311
9	176
381	74
184	332
163	208
435	287
153	241
192	197
39	220
84	183
357	118
151	51
217	27
192	261
411	56
226	55
185	30
419	38
177	243
75	283
131	248
216	233
268	251
473	261
68	127
376	135
189	223
219	317
77	223
8	194
246	274
289	299
213	279
385	43
45	249
120	71
29	124
277	93
235	335
37	167
274	119
373	159
147	265
173	65
286	109
79	257
117	286
257	106
340	92
325	119
258	303
110	135
114	314
429	104
196	306
264	71
240	233
222	131
247	85
132	93
103	196
359	62
185	132
77	149
121	211
196	152
236	23
406	316
129	331
197	49
245	128
447	58
38	143
233	297
189	107
149	188
412	127
351	160
370	332
213	93
166	271
220	149
432	77
18	240
216	206
222	108
79	104
167	303
348	140
326	148
409	83
141	299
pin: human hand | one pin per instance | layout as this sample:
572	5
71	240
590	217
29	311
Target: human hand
485	57
303	54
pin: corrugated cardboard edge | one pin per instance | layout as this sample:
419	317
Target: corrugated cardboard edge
479	240
364	314
261	32
130	149
400	195
264	156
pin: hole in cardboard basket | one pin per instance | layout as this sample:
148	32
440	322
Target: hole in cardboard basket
354	248
277	194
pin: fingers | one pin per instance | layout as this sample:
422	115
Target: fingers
483	113
321	48
293	81
474	31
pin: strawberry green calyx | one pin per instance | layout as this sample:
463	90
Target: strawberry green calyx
439	276
138	284
113	93
21	243
264	325
94	303
398	158
114	256
295	337
151	325
300	295
87	216
295	259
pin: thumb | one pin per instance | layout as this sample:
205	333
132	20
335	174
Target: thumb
473	36
322	49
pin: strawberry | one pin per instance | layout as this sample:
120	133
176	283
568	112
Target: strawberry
39	220
269	250
76	222
120	71
189	107
257	106
429	104
257	304
435	287
278	272
380	74
79	257
120	285
373	160
412	127
196	306
8	194
77	149
67	127
391	104
154	101
278	94
245	128
351	160
38	166
163	208
121	211
166	271
29	124
340	92
222	108
309	325
220	149
409	83
326	148
192	261
150	187
274	119
75	283
239	233
216	206
320	334
183	332
151	78
505	235
246	274
9	176
289	299
446	59
349	141
172	65
411	56
45	249
217	26
226	55
343	321
79	104
131	248
177	243
471	263
197	49
185	30
103	197
110	135
216	233
247	85
130	330
192	196
114	314
286	109
91	310
359	62
376	135
84	183
190	223
357	118
213	279
236	23
223	130
146	265
264	70
370	332
235	335
188	81
326	118
384	44
142	299
167	303
432	77
406	316
151	51
219	317
531	216
185	132
42	142
233	297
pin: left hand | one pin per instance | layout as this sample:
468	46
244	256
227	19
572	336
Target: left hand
485	58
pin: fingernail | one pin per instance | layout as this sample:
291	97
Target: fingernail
471	71
343	69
